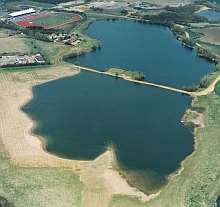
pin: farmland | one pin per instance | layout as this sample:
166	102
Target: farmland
17	5
13	44
211	34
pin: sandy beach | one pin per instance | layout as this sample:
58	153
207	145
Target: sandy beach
100	180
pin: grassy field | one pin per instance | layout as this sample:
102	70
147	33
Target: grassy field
211	34
3	33
198	185
12	44
53	19
167	2
38	187
54	53
217	89
16	5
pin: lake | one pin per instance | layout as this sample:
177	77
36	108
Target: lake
148	48
81	115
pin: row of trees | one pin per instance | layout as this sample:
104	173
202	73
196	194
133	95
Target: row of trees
206	54
182	15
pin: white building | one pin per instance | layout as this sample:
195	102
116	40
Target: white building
23	12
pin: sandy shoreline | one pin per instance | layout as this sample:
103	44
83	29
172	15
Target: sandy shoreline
202	8
26	150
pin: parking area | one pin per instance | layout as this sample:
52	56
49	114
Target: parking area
13	60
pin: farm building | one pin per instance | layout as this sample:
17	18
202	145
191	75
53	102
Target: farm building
22	12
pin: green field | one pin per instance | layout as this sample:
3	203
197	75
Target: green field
217	89
16	5
54	53
12	44
38	187
53	19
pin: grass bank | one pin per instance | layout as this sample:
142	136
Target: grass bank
38	187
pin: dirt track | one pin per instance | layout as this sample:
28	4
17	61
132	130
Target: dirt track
208	90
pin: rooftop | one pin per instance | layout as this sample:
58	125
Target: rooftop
22	12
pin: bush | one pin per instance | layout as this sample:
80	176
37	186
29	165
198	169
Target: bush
188	42
204	83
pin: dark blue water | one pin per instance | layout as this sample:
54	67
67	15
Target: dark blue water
80	116
211	15
148	48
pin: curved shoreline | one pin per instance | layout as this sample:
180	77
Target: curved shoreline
32	154
80	165
204	92
46	159
26	149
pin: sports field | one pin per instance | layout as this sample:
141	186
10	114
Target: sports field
49	20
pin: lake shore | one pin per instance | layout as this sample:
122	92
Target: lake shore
23	147
27	150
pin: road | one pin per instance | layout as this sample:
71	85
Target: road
203	92
137	81
207	90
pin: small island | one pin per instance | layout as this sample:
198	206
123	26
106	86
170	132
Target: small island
118	72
